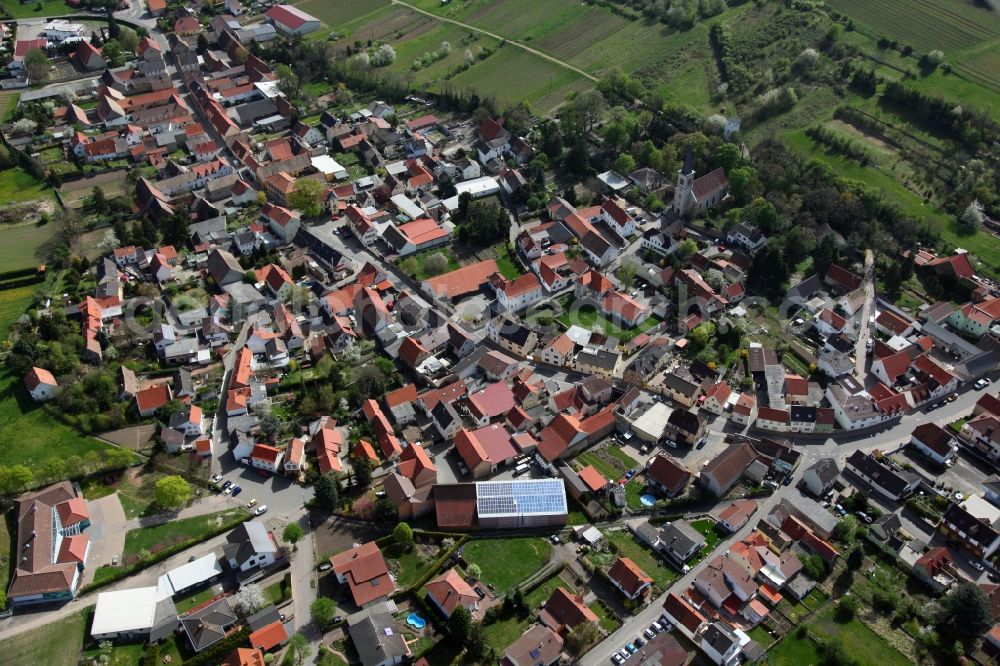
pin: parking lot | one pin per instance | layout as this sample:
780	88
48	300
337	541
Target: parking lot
281	495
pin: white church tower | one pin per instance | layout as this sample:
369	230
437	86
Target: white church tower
683	193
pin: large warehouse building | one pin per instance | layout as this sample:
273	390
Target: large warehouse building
501	504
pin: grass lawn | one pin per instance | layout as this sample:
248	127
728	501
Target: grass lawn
20	242
13	304
187	603
654	567
506	263
707	529
589	318
759	634
162	536
609	622
505	630
121	655
506	562
30	9
8	102
407	567
274	594
957	425
541	594
634	490
815	599
794	651
17	185
415	265
859	641
54	643
794	611
29	435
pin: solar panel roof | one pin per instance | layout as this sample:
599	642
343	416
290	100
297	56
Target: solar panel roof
513	498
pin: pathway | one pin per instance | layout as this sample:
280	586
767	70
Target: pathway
467	26
861	351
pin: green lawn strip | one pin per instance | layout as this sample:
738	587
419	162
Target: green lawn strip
606	469
759	634
415	264
275	594
634	490
654	567
18	185
608	621
6	524
21	242
56	642
29	435
506	263
14	303
707	528
27	10
196	599
121	655
174	532
506	630
506	562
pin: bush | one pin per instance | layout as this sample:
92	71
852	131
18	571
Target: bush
846	609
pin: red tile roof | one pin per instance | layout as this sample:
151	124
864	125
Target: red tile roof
38	376
592	478
462	281
153	397
366	572
270	636
450	591
628	575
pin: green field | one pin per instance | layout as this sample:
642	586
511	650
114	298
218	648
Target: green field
158	537
948	25
608	621
794	651
506	562
29	435
13	304
17	9
21	243
17	185
57	643
859	641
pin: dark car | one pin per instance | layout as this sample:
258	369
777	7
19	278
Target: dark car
788	480
481	592
226	484
237	490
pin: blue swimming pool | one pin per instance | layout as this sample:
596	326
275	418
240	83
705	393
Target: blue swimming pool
647	500
416	621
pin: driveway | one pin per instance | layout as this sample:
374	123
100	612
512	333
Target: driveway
107	533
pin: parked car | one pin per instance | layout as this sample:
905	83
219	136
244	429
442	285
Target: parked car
226	485
631	648
977	565
555	539
227	491
216	478
237	490
252	503
326	566
864	516
638	641
980	384
649	633
617	659
262	509
701	443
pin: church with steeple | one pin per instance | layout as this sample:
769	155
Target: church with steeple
696	194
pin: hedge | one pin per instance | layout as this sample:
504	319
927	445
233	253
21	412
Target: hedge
125	572
435	567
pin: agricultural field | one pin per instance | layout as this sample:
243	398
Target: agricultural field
968	34
13	304
17	185
20	245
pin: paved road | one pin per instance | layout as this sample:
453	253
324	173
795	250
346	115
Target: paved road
861	350
540	54
303	591
840	447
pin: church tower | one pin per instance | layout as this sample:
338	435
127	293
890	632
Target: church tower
685	186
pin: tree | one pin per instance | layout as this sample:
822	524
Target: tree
172	492
362	472
327	492
403	536
385	511
322	611
715	279
846	609
768	272
686	249
435	264
727	156
298	645
128	39
591	106
845	529
37	65
581	636
249	599
292	533
476	646
460	624
113	52
624	164
474	571
834	654
307	197
966	610
973	216
24	127
288	80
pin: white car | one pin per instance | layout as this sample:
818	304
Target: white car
260	510
228	490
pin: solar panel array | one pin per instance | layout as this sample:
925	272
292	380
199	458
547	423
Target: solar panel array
513	498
